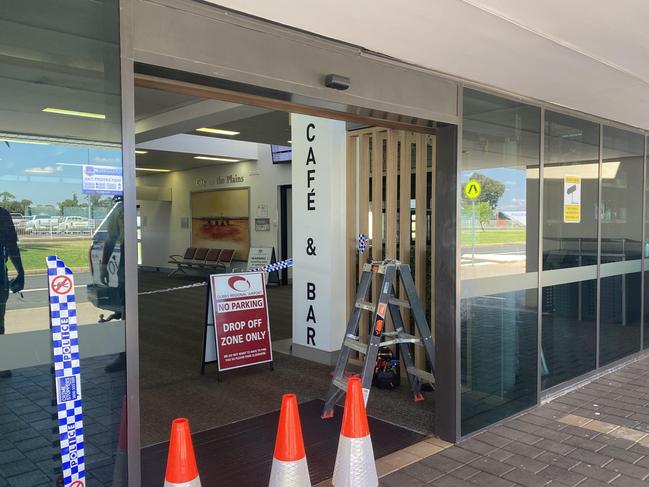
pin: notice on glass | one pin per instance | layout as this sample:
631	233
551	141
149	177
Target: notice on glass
102	180
572	199
240	320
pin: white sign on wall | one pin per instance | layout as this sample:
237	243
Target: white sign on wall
318	203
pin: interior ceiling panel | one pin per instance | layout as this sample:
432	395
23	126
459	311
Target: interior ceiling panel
585	55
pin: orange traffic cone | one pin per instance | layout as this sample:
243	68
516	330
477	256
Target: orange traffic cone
355	465
289	460
181	462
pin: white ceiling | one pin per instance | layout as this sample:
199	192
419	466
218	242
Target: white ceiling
587	55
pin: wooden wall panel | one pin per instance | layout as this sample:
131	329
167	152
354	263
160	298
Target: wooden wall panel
388	154
391	197
350	230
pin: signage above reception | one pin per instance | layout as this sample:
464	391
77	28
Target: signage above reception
219	180
319	293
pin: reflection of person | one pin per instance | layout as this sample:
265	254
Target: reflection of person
115	237
9	250
115	230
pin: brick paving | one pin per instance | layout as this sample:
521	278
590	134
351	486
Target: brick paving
595	436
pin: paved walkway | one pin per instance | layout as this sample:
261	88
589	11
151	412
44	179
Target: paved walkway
595	436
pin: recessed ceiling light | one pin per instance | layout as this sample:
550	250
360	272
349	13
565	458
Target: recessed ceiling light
149	169
208	130
219	159
139	151
289	141
74	113
23	141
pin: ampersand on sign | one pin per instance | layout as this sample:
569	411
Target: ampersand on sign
310	248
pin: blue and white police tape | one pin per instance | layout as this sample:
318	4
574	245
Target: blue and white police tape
67	372
277	266
362	242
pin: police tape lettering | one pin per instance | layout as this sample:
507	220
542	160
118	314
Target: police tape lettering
67	372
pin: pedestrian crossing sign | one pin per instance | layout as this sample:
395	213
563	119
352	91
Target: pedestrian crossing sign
472	189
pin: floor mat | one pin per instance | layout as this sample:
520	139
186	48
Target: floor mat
240	454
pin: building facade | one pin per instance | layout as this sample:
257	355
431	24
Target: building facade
534	282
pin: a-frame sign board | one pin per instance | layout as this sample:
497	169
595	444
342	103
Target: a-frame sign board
249	315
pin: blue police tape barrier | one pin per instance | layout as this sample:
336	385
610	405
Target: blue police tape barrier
277	266
67	372
363	240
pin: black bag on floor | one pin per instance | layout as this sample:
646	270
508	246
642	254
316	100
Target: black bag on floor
386	371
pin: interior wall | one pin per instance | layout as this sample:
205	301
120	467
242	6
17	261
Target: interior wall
162	230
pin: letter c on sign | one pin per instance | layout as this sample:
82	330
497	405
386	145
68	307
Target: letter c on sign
310	137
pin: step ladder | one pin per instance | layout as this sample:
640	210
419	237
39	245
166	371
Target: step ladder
391	270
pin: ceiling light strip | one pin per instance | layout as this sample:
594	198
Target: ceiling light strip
74	113
209	130
218	159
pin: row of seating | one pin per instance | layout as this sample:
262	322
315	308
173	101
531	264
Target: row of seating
203	259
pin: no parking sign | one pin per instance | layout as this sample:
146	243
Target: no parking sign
240	313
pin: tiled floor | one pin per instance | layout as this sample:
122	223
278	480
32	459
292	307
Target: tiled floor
595	436
28	446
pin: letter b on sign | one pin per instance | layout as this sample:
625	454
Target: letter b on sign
310	291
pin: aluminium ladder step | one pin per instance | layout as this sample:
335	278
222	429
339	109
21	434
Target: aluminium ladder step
403	338
365	305
422	374
356	344
340	383
400	302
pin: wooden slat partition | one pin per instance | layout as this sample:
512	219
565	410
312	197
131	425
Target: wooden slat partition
350	229
391	197
388	153
377	204
377	195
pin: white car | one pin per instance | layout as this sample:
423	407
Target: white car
18	220
42	223
74	224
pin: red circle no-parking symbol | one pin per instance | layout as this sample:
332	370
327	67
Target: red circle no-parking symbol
61	285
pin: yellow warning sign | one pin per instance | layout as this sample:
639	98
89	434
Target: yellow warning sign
472	189
571	199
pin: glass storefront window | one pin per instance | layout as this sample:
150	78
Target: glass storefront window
499	264
570	200
60	110
570	222
621	249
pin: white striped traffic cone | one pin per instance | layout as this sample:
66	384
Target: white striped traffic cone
289	460
355	466
181	462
